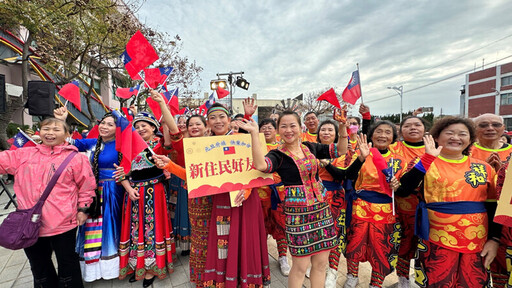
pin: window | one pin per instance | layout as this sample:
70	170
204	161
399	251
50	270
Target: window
96	85
506	99
508	124
505	81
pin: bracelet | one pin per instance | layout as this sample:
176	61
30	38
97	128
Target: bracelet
343	136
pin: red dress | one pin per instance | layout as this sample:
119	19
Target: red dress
146	243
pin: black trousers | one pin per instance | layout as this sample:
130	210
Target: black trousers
40	257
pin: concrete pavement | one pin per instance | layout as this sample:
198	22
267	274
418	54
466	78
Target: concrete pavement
15	269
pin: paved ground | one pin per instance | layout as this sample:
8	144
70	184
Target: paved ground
15	269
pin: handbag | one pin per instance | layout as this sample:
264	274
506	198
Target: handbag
21	228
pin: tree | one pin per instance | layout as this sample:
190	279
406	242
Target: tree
78	38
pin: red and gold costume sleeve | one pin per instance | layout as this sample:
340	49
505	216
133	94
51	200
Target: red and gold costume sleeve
467	179
369	180
310	137
407	205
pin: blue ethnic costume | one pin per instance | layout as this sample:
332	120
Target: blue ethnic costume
98	239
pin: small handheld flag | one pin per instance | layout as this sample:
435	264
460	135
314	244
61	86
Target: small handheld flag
126	93
22	140
138	55
221	93
330	96
71	92
353	90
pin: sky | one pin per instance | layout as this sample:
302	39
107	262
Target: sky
286	48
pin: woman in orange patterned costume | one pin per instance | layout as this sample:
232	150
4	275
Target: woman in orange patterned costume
452	221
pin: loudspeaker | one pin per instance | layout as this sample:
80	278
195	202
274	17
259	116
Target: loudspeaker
41	95
3	104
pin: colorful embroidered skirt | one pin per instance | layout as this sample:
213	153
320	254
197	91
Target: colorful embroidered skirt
200	212
437	266
179	212
146	243
98	239
237	245
309	229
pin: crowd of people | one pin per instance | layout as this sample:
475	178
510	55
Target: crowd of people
384	193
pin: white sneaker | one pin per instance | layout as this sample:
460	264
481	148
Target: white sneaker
308	271
283	264
403	282
331	278
351	281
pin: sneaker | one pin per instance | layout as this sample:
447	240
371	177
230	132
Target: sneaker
283	264
331	278
308	272
403	282
351	281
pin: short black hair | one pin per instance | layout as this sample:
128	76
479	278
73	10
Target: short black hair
326	122
267	121
289	112
239	115
311	112
196	116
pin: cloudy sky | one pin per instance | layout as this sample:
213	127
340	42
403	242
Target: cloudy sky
287	48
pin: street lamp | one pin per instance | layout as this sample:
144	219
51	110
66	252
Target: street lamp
240	82
400	91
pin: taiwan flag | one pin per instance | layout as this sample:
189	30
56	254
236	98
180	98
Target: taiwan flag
353	90
228	150
126	93
210	101
22	140
71	92
138	55
156	76
128	141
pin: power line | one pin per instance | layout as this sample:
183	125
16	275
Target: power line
421	72
435	82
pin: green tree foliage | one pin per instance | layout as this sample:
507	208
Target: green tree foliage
84	38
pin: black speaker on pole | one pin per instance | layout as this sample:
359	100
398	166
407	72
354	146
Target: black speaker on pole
41	95
3	104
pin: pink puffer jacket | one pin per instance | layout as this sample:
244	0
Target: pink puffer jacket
33	167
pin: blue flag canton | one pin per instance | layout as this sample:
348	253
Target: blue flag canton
135	88
20	140
165	70
355	80
121	121
125	58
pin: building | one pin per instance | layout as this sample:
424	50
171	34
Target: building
489	91
11	47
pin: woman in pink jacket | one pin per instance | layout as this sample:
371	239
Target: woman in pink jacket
64	209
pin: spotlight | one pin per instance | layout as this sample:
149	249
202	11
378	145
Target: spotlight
218	83
242	83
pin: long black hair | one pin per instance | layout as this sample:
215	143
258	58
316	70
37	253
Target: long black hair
97	150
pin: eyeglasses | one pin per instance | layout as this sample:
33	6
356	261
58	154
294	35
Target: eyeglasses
493	124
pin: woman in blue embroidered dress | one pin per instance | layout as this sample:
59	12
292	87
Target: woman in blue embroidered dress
310	229
98	240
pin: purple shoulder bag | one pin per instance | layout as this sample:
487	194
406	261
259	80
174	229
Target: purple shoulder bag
21	228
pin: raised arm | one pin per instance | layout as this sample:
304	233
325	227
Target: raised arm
341	117
258	159
166	114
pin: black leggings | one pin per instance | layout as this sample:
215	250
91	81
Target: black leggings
40	257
